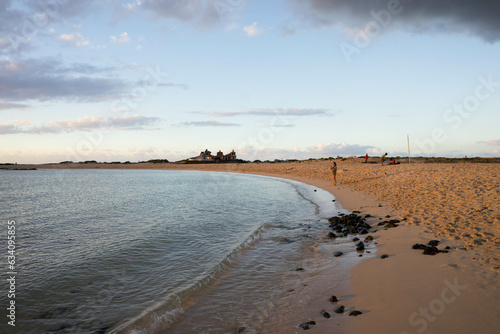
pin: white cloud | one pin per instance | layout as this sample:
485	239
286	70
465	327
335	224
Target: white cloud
74	39
252	30
232	26
493	142
317	151
133	5
123	38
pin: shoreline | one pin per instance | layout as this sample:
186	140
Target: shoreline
408	292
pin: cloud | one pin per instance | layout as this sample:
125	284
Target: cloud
123	38
494	142
9	105
342	149
271	112
479	17
316	151
207	123
74	39
186	10
232	26
172	84
201	13
86	123
133	5
22	22
46	79
252	30
3	43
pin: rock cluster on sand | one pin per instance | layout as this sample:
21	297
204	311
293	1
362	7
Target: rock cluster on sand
430	248
349	224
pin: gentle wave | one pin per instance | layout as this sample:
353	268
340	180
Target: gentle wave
151	322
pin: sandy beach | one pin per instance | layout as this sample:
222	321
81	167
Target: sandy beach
457	204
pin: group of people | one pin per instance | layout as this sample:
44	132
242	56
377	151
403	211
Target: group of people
333	167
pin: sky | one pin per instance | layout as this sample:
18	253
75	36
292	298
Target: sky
134	80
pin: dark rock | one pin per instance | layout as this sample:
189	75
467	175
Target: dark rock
307	325
447	247
388	216
368	216
392	224
384	256
368	252
241	329
433	243
361	247
333	200
325	314
430	250
364	231
331	235
333	299
381	223
299	269
337	254
355	313
418	246
315	190
355	239
369	238
340	309
380	205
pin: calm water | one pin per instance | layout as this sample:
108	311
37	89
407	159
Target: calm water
103	251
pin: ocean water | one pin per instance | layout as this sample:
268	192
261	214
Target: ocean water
142	251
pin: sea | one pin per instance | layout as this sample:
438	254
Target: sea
159	251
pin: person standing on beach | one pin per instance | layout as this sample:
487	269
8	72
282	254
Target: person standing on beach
366	158
333	169
382	158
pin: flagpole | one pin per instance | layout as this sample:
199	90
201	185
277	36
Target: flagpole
408	139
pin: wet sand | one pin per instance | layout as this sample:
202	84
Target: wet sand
407	292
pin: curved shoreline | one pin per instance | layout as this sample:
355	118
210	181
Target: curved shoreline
408	292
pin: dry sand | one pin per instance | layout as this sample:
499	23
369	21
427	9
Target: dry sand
408	292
